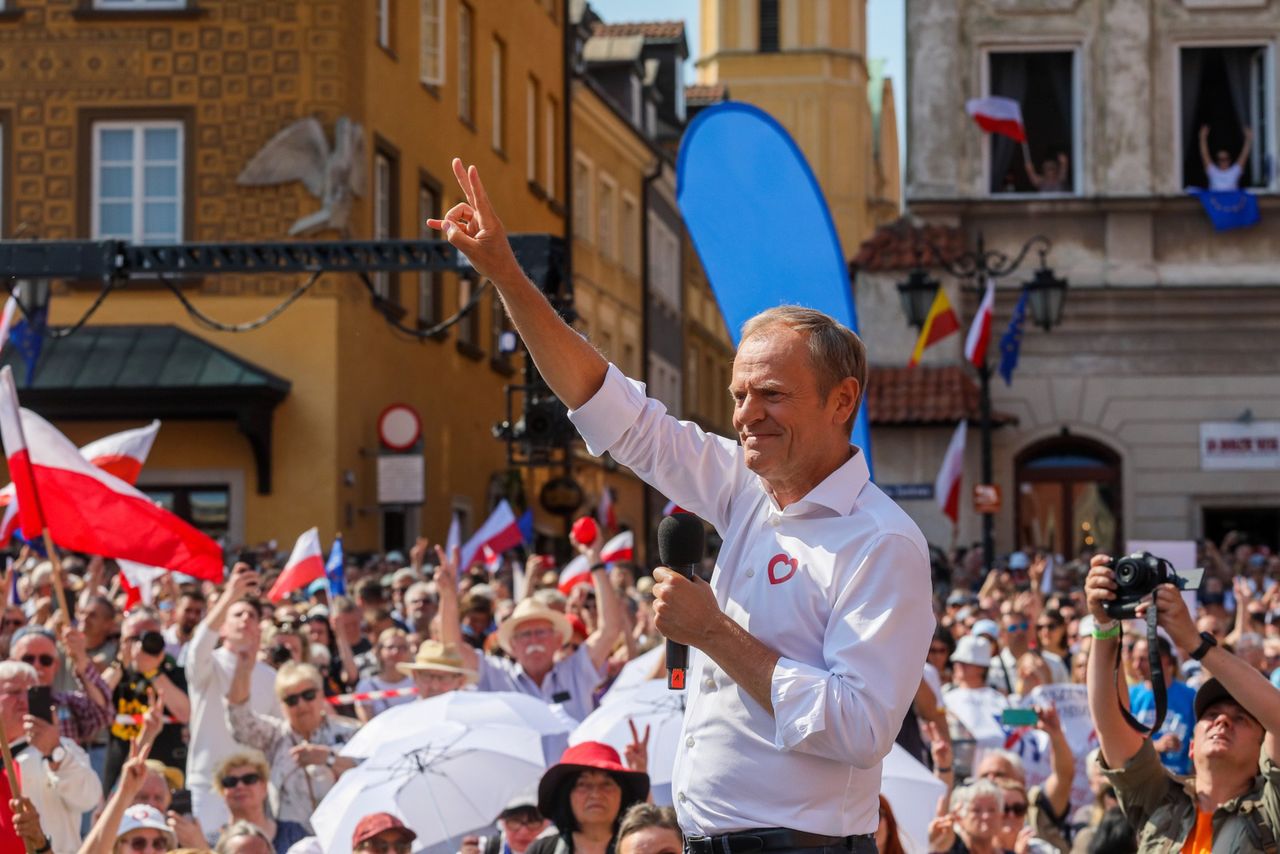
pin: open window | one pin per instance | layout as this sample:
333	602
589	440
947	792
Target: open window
1226	89
1044	84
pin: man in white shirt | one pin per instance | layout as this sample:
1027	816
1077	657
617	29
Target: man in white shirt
234	622
807	646
55	772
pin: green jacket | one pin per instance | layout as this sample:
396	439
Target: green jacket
1161	807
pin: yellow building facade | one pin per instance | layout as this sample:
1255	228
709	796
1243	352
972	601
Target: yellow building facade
188	95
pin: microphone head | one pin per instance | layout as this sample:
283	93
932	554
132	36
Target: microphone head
681	540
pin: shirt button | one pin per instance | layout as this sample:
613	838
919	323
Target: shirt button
681	798
710	684
750	573
688	742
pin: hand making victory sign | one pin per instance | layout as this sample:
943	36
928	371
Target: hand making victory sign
474	229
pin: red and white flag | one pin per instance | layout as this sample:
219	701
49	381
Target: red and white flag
499	532
975	343
621	547
605	513
305	565
137	580
671	508
122	454
946	489
492	560
6	318
87	509
998	115
575	572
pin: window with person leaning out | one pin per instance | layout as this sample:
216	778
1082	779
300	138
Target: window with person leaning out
1231	801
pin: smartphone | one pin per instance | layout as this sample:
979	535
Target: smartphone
40	702
181	802
1019	717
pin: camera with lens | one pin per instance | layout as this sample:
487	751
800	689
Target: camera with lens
1137	575
280	654
153	643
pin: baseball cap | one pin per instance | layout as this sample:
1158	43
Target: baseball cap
1210	692
378	822
1019	560
143	817
986	628
958	597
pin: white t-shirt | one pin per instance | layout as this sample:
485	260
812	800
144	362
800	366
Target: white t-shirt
1224	179
209	673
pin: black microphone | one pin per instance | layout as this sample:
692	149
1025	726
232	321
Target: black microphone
681	545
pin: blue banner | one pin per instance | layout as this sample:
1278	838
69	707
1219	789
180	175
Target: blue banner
1229	209
335	569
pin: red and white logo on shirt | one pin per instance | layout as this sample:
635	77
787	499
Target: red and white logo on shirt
782	567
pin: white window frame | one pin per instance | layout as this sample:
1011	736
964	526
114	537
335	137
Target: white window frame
584	223
383	193
629	232
466	58
549	145
497	92
383	13
132	5
138	197
532	95
607	217
1079	153
1272	97
431	51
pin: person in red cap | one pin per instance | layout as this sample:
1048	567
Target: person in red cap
382	833
585	795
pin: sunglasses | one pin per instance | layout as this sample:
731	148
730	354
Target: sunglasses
1016	627
308	695
44	659
230	781
1018	810
1047	626
13	623
141	843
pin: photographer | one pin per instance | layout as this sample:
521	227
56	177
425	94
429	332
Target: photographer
1232	803
143	672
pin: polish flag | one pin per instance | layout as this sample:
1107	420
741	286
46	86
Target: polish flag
305	565
621	547
6	318
121	454
87	509
946	489
499	532
671	508
975	344
137	581
492	560
575	572
998	115
605	514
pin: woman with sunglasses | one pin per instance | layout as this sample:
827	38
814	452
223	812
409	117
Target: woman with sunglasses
241	781
302	749
1051	635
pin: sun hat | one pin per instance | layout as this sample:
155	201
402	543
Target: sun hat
985	628
143	817
441	657
591	756
379	822
972	650
527	611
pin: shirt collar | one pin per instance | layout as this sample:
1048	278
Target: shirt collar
838	492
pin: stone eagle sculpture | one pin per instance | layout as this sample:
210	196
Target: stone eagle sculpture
301	152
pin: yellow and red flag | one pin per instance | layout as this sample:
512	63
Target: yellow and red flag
940	323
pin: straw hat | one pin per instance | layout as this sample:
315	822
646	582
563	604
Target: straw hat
441	657
527	611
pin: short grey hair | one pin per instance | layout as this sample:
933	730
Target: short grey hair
1014	760
835	351
18	670
963	796
293	672
237	829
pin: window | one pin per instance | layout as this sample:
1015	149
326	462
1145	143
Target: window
498	324
205	508
582	179
385	205
384	24
469	327
148	5
430	310
605	219
664	263
1226	90
532	96
768	26
431	49
630	235
637	100
497	90
137	181
549	146
465	36
1043	82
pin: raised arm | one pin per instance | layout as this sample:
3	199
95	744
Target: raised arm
1248	145
449	615
1062	763
573	369
1119	743
603	639
1205	157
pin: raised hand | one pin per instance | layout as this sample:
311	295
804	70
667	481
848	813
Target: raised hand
447	571
942	833
152	721
418	553
637	755
939	747
474	229
1100	587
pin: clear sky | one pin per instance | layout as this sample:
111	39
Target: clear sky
886	37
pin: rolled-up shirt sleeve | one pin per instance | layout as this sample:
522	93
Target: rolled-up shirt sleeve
699	471
851	708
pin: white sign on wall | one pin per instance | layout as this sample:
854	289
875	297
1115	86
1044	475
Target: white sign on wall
1235	445
402	479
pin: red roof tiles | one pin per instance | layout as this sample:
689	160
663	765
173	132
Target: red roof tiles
903	244
925	394
648	29
705	93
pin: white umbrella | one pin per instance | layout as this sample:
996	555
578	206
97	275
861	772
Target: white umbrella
913	792
473	708
650	706
635	673
442	786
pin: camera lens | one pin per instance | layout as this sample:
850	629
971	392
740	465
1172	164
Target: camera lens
152	643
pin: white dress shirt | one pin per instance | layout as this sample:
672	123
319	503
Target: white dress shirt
60	797
851	620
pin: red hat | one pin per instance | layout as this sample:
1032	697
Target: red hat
591	756
378	822
579	627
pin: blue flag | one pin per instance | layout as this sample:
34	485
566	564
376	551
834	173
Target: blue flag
1011	342
525	524
335	570
27	337
1228	209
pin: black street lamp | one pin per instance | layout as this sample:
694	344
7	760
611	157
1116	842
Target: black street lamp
1046	293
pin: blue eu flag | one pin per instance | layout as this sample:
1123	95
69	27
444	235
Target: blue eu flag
1228	209
335	570
27	337
1011	342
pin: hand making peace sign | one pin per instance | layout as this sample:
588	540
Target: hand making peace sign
474	229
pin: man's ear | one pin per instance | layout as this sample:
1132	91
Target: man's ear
846	398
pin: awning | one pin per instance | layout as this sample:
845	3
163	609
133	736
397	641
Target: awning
149	371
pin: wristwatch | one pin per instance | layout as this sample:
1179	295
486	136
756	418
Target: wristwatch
333	757
1207	642
59	753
